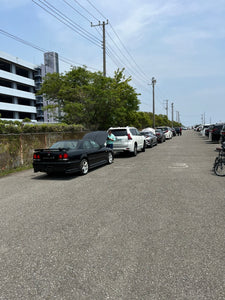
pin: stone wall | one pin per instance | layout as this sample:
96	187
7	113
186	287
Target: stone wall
16	150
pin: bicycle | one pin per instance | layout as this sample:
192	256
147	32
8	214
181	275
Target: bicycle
219	164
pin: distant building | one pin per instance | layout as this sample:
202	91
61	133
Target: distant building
19	80
51	65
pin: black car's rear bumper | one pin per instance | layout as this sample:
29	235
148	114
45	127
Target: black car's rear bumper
53	167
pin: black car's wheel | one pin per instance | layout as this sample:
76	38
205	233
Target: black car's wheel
135	150
84	167
143	148
110	157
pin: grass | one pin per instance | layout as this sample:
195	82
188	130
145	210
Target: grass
19	169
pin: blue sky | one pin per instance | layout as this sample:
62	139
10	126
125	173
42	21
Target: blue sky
179	42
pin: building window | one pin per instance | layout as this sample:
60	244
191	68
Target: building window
6	99
6	83
22	72
4	66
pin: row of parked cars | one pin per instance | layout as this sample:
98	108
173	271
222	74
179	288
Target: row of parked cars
73	156
215	132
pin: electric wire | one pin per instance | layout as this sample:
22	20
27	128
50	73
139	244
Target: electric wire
135	68
130	68
86	10
61	58
71	24
73	8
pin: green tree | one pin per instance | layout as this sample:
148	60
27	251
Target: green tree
91	99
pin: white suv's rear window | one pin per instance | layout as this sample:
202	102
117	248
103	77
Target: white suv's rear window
119	132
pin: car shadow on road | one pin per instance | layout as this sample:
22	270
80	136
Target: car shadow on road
56	176
63	177
123	155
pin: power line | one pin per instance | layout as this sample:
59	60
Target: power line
138	70
72	25
65	60
86	10
97	10
73	8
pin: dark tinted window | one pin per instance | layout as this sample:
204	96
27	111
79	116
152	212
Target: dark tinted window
94	145
119	132
133	131
65	145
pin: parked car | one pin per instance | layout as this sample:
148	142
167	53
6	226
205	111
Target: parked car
128	139
72	156
214	131
148	129
222	134
150	139
174	131
203	129
207	132
167	131
160	135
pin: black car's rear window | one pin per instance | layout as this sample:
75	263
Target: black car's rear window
65	145
119	132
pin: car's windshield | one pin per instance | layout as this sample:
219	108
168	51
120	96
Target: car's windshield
65	145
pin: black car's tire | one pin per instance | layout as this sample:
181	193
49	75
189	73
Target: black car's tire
135	150
110	158
143	148
84	166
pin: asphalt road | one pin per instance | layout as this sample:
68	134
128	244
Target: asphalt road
145	227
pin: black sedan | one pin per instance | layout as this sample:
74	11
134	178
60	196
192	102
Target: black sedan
74	155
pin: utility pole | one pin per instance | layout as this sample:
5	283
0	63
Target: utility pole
172	113
153	99
103	43
167	108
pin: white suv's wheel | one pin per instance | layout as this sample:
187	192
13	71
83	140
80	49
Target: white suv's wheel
135	150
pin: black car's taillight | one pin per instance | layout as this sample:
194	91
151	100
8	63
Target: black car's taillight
63	156
36	156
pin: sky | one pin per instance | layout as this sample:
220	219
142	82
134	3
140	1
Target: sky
181	43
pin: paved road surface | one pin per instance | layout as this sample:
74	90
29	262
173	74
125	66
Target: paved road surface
147	227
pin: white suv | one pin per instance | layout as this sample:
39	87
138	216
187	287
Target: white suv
128	139
167	131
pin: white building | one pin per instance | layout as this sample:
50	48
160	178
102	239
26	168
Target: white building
19	80
17	87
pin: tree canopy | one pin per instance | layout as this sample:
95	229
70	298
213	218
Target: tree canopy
95	101
90	98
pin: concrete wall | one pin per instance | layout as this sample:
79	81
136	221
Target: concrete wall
16	150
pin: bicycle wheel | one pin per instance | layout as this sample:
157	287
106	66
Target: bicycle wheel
216	161
219	168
